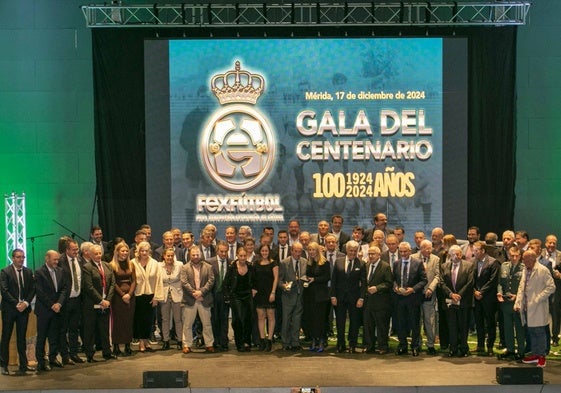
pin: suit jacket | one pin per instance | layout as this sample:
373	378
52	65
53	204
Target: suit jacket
487	280
216	270
9	288
464	282
535	293
386	258
547	263
417	279
347	287
287	274
158	253
92	285
47	295
432	270
171	283
212	251
314	237
64	264
382	279
275	253
343	239
189	286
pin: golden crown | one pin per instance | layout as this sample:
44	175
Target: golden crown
237	86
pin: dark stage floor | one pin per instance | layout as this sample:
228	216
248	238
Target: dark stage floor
233	371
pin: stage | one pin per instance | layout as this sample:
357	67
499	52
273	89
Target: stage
280	370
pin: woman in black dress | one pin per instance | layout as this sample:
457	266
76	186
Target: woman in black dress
238	290
265	283
316	297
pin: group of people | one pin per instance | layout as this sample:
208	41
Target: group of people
104	296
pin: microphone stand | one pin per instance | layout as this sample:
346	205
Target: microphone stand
73	234
32	238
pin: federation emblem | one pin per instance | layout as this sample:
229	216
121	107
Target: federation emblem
238	144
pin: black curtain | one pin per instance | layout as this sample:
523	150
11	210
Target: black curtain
118	66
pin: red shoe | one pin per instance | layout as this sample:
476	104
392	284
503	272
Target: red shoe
531	359
541	361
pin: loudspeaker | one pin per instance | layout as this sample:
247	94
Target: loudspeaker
520	375
165	379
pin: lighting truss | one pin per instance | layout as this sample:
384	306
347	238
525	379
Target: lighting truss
15	223
446	13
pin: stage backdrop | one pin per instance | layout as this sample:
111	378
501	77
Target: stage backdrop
357	125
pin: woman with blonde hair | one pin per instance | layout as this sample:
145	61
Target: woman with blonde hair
148	293
316	297
173	295
123	304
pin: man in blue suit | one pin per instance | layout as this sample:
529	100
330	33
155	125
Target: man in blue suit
409	281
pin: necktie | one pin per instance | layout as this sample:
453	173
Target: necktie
404	275
349	266
221	274
372	267
20	284
53	277
479	267
283	255
297	269
454	274
102	273
207	253
75	281
321	241
232	252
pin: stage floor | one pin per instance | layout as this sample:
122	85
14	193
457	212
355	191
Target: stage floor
279	369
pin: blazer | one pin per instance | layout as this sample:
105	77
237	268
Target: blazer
9	288
417	279
464	282
486	282
149	280
47	296
535	293
382	279
171	283
216	270
92	285
206	284
64	264
432	270
343	239
287	274
347	286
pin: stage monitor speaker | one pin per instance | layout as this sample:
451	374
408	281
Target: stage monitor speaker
520	375
165	379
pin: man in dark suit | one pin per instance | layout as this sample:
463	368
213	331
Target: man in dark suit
485	294
220	309
409	282
206	245
96	237
346	282
290	271
71	315
457	277
52	292
98	286
377	302
168	242
17	287
337	230
231	236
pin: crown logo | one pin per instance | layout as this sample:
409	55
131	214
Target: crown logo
237	85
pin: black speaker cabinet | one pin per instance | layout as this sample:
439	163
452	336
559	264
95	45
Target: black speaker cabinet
520	375
165	379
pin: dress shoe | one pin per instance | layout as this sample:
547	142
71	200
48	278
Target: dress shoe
431	351
451	354
92	360
165	345
368	350
187	350
224	348
68	362
43	367
401	351
210	350
415	352
508	355
55	363
180	345
29	369
148	349
5	371
352	350
109	356
76	359
287	348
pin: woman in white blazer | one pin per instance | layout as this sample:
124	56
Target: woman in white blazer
173	294
148	293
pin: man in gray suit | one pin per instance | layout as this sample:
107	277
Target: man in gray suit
428	307
197	279
291	269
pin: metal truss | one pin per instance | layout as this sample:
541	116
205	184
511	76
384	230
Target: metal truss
15	223
447	13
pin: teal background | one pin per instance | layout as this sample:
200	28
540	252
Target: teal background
46	118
